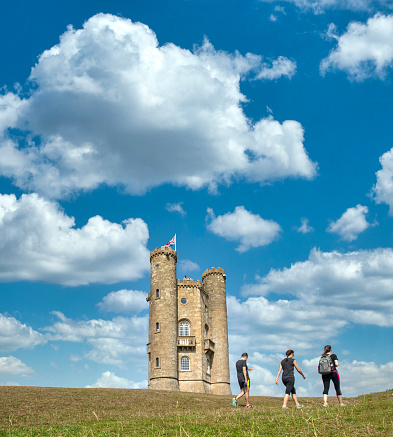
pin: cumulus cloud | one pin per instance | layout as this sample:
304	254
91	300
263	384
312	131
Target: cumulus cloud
251	230
305	228
364	50
383	188
119	341
13	366
357	377
354	286
273	325
351	223
111	106
124	301
187	266
38	241
16	335
176	207
279	68
110	380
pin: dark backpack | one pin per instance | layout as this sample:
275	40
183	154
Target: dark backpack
325	365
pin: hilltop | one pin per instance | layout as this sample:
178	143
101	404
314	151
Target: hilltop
42	411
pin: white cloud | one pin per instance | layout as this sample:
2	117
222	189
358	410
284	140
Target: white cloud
120	341
305	228
351	223
187	266
13	366
176	207
110	380
38	241
251	230
16	335
320	6
124	301
357	377
279	67
354	286
364	50
383	189
111	106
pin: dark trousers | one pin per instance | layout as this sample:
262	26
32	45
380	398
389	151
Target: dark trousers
289	386
336	381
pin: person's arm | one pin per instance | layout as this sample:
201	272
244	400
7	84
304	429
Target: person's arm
298	369
278	373
335	361
245	372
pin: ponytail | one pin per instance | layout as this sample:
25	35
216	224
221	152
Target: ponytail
288	352
327	349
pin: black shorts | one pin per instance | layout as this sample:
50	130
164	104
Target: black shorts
244	384
289	386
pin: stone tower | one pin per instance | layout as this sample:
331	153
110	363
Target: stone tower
188	331
163	320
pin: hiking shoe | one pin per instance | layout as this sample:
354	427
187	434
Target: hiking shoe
342	405
234	402
248	406
325	404
284	407
299	406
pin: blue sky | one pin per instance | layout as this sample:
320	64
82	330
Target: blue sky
258	132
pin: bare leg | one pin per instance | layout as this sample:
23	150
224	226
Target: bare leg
247	396
325	398
294	397
240	394
286	397
340	400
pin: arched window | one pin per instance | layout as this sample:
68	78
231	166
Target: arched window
184	364
206	331
208	365
184	329
157	362
157	293
157	326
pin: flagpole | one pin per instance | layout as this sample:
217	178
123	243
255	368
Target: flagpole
175	243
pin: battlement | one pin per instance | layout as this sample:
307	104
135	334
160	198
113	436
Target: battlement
163	251
188	282
214	271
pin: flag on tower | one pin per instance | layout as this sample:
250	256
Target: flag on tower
171	242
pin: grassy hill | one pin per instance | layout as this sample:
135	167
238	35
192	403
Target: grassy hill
39	411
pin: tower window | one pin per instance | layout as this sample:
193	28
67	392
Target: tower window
183	300
157	362
157	293
208	365
185	364
157	327
184	329
206	331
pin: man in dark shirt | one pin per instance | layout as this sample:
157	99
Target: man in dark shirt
243	379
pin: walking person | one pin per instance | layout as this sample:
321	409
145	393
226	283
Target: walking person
244	380
332	375
288	365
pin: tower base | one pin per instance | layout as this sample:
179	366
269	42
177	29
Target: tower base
221	388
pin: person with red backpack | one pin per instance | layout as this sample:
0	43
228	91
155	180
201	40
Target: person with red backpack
327	367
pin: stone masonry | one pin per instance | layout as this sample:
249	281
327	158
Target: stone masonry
188	330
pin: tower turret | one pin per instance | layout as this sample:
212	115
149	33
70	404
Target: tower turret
214	282
163	320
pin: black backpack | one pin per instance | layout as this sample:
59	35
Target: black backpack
325	365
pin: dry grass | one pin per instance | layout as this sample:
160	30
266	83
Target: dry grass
39	411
